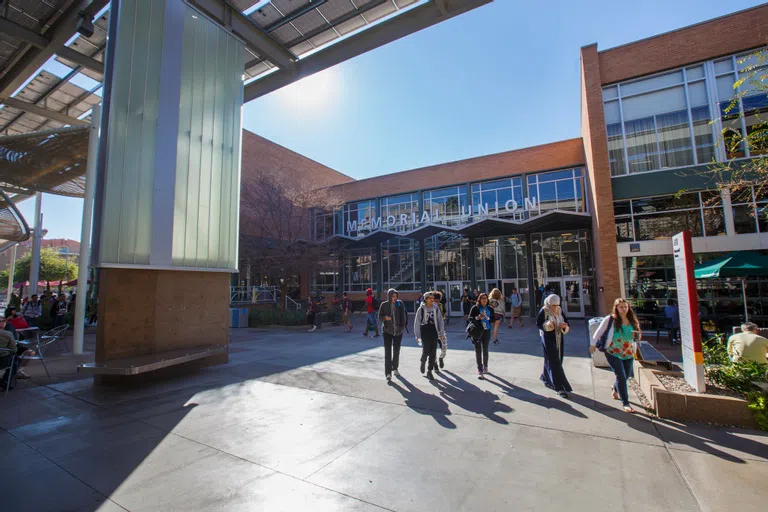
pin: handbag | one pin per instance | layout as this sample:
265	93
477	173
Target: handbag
604	337
474	331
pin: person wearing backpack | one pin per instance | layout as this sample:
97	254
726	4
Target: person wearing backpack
372	305
393	318
616	337
428	327
479	330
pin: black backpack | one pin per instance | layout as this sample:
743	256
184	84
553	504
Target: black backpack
375	302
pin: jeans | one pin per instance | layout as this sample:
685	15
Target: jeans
391	357
481	349
623	370
371	320
429	350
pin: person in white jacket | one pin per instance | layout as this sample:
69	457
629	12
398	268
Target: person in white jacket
619	330
428	327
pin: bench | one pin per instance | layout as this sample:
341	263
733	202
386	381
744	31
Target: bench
648	354
148	363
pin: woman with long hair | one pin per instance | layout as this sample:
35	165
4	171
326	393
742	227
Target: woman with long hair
617	334
496	301
553	326
466	304
481	315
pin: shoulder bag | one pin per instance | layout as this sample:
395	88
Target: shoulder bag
604	337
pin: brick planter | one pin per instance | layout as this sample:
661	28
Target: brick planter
723	410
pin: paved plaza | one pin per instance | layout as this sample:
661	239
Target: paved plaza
305	421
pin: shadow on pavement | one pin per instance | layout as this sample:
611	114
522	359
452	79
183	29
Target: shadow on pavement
527	395
424	403
471	398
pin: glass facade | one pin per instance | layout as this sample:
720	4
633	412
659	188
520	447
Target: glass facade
360	269
665	121
558	190
447	257
448	203
395	206
496	193
401	264
325	276
661	217
503	263
650	283
750	210
357	217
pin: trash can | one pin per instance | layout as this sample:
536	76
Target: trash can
238	317
598	358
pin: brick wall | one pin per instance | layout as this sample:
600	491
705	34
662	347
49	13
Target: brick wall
730	34
599	177
558	155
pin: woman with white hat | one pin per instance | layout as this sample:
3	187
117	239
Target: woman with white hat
553	326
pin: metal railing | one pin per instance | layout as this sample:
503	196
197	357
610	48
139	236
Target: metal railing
253	294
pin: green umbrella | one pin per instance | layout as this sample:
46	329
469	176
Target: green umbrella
741	264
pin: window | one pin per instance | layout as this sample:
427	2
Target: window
658	218
447	257
325	276
558	190
325	224
357	218
401	263
561	254
495	195
406	204
360	269
448	203
750	211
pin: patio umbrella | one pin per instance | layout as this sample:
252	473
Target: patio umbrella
740	264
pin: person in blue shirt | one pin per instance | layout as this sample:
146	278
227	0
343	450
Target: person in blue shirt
481	315
673	313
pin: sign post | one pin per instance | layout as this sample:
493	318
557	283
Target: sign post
688	303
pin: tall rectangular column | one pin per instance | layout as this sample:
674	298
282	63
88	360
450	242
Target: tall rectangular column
166	238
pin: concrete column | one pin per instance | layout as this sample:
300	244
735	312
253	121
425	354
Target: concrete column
10	274
531	283
34	268
730	227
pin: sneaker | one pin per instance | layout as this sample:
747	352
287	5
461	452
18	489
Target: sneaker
423	366
430	376
21	374
480	374
389	377
313	329
364	333
485	369
562	394
442	362
437	369
375	335
397	373
495	342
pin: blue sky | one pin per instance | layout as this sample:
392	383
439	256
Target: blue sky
502	77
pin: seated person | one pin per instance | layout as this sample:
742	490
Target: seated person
16	320
748	344
8	340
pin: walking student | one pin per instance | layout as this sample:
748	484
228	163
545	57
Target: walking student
481	315
428	327
516	303
393	318
371	305
466	304
346	311
616	337
312	310
553	326
497	304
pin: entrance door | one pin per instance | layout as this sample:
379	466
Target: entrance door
569	290
455	291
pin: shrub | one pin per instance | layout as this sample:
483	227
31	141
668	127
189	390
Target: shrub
265	317
758	404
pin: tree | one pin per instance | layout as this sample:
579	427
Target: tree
53	267
750	101
276	233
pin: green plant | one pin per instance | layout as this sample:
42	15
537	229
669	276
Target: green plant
758	404
715	351
737	376
262	317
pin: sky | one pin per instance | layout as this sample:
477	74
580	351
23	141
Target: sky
502	77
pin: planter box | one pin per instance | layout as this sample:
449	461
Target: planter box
723	410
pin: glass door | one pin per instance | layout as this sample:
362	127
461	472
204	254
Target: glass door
555	286
572	297
442	287
455	290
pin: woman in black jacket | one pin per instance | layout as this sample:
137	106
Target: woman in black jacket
480	315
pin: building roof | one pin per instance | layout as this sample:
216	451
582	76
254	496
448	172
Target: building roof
741	31
556	155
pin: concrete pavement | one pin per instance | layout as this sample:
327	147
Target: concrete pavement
300	421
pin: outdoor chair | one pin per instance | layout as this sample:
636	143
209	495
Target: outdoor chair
7	358
54	335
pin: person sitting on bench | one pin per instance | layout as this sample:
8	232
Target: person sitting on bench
748	344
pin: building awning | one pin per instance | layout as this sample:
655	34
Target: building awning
13	227
554	220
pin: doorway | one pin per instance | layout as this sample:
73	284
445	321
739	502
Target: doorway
507	285
569	290
452	291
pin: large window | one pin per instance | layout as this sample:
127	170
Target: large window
561	255
558	190
659	122
325	276
360	267
405	204
357	218
750	211
401	263
448	203
661	217
326	224
447	257
496	194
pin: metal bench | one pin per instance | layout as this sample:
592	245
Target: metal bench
648	354
148	363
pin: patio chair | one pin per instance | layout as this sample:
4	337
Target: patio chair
665	326
54	335
7	359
